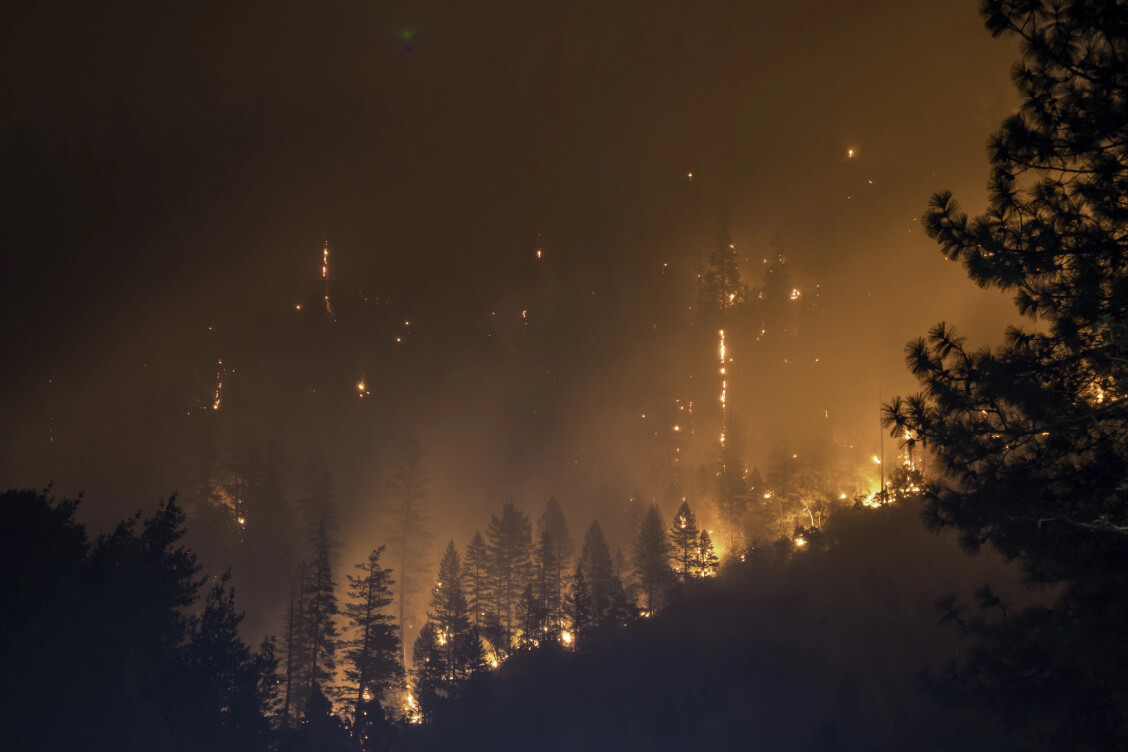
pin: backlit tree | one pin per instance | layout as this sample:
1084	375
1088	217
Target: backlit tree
1030	437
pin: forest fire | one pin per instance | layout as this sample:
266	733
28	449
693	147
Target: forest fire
493	476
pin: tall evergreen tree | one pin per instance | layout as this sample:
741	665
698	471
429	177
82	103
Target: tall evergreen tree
373	653
683	541
720	285
297	652
477	576
224	674
320	634
410	534
553	523
578	606
448	649
510	547
604	586
429	670
706	563
652	558
548	586
732	488
1031	436
458	640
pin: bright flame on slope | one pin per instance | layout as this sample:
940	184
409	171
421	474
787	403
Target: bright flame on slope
411	709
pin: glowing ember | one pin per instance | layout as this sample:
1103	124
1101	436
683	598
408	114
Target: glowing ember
724	389
325	278
218	385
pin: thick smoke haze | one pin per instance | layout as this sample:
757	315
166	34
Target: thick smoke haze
517	200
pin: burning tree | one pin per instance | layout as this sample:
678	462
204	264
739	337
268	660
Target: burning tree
683	541
1030	436
448	648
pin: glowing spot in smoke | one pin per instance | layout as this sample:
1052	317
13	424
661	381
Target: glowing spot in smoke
325	278
218	385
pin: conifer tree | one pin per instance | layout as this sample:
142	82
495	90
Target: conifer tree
684	541
547	586
119	613
510	548
297	652
458	640
322	634
226	675
578	604
706	561
373	654
732	488
720	285
477	576
652	558
530	617
553	523
448	649
1030	436
319	597
429	669
605	589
